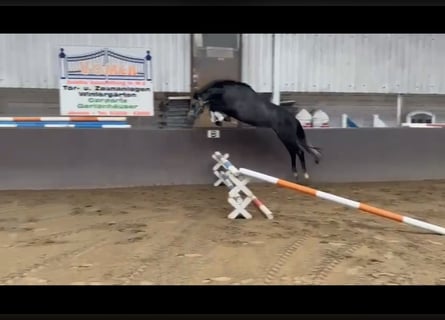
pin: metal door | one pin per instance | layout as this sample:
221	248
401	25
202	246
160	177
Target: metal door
215	57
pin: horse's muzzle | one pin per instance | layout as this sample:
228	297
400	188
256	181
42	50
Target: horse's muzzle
195	107
191	115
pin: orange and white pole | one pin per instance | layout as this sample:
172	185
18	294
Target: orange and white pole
344	201
47	119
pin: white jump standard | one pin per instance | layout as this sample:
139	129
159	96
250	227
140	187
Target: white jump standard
240	196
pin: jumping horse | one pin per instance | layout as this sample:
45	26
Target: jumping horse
228	99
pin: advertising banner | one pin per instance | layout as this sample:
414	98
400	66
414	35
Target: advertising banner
97	81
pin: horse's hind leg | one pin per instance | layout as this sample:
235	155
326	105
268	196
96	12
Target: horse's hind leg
300	154
292	149
292	154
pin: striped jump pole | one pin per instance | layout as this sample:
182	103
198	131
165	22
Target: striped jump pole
236	185
81	119
55	124
91	126
344	201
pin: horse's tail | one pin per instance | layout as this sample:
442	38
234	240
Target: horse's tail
302	141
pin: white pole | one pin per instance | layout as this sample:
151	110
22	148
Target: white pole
276	69
344	120
399	109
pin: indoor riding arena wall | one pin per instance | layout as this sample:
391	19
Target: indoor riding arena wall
98	158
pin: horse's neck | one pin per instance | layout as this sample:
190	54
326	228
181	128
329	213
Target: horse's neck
245	112
220	108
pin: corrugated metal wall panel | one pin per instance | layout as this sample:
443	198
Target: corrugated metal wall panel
357	63
30	60
362	63
257	61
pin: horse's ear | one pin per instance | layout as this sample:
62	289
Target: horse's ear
195	94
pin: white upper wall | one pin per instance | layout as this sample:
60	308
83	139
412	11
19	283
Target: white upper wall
257	61
31	60
349	63
362	63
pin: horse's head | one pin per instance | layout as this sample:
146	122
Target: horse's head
202	98
197	105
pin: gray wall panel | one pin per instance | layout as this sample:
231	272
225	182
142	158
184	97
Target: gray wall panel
64	158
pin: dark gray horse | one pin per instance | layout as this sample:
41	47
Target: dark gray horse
231	99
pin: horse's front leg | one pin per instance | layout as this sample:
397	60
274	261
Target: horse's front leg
217	118
213	117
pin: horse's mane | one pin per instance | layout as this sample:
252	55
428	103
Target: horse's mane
221	83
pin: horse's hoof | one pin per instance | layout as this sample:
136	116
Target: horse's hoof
296	176
306	176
